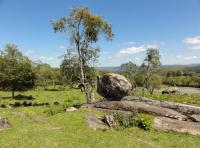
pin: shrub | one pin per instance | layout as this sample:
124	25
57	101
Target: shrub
17	104
125	120
144	121
3	105
129	120
55	109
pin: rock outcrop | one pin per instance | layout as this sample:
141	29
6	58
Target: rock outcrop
95	123
113	86
168	124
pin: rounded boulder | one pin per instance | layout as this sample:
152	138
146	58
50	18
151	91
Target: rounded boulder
113	86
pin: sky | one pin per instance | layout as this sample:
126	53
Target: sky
172	26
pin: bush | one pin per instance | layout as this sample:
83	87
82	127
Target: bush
129	120
55	109
144	121
17	104
125	120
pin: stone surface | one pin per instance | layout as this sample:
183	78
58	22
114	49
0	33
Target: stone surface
140	107
168	124
4	123
70	109
95	123
195	118
113	86
110	120
181	108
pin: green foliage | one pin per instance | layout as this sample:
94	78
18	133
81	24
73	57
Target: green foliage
55	109
152	59
185	81
129	69
139	120
16	71
46	75
154	82
186	99
71	129
144	121
149	67
84	29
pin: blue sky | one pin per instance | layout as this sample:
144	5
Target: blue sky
173	26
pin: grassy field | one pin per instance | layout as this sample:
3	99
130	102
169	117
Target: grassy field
186	99
34	127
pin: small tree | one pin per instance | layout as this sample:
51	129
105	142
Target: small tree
154	82
151	63
129	69
84	29
15	70
44	74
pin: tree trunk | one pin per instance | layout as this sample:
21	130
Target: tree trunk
146	78
89	92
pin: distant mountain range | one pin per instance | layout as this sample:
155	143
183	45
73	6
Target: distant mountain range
118	68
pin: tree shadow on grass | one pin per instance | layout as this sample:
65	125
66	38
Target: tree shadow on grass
20	97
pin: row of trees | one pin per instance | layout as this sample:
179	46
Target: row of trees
19	73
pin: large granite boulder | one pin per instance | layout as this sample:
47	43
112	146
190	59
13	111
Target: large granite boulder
113	86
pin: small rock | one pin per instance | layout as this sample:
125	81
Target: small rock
110	120
4	123
71	109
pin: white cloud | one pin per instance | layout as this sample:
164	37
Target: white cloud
137	58
132	50
136	49
179	56
152	46
28	52
193	42
188	57
62	47
191	58
46	58
129	43
110	57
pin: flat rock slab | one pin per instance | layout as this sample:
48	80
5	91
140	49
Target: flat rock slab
168	124
141	107
95	123
196	118
182	108
4	123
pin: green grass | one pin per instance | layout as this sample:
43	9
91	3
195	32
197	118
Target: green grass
192	99
186	99
34	128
